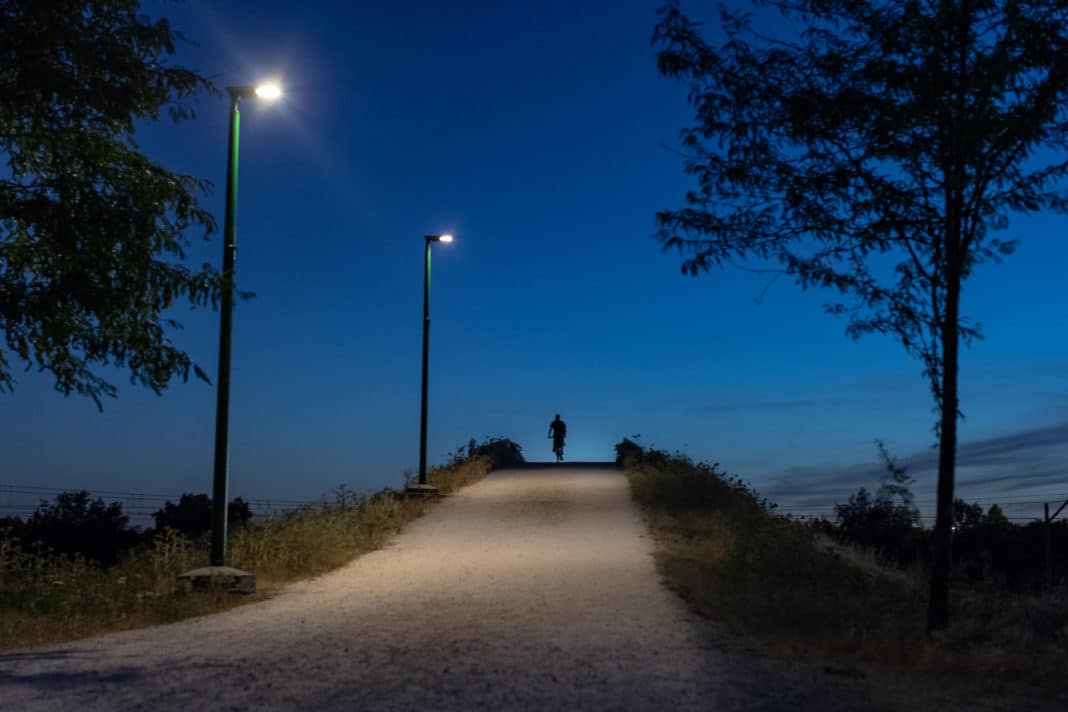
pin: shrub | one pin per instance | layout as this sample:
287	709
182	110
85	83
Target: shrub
628	452
877	523
888	522
76	525
192	515
500	451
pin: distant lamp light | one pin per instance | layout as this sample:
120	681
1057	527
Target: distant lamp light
269	91
446	238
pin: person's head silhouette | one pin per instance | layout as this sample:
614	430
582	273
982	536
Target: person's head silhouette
558	416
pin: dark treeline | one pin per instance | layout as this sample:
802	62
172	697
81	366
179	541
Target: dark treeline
75	524
987	547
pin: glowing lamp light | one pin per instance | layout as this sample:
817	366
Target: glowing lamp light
269	91
445	238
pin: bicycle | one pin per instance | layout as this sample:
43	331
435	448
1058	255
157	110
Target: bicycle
558	449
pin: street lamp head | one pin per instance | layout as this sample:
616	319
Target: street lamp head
439	238
446	238
269	91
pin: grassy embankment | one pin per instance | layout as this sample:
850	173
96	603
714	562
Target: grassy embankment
776	581
45	597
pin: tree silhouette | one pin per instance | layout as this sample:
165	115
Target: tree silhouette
995	517
92	231
966	516
192	515
73	523
887	521
878	148
878	524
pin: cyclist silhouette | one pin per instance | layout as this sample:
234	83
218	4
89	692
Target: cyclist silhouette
557	431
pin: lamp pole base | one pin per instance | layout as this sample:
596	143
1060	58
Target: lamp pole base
421	491
235	580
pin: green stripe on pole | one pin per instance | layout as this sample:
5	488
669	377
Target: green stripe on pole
220	494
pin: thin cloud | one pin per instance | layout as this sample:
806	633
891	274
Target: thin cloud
999	449
1036	477
1023	461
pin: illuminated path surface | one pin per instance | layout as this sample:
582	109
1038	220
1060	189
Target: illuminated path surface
534	589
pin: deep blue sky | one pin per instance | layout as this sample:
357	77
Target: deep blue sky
535	132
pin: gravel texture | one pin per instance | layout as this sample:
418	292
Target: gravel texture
534	589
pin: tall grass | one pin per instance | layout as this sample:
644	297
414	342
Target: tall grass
724	550
47	597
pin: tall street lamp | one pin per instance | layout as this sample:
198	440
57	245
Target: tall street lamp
423	486
220	497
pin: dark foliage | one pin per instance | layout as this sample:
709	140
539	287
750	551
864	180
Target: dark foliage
75	524
11	527
889	522
879	524
987	548
683	485
92	231
966	516
501	451
628	451
192	515
1010	556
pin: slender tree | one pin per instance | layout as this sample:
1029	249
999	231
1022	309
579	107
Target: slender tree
877	147
92	231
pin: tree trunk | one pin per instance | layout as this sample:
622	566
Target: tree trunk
953	246
938	603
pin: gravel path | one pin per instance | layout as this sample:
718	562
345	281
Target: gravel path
534	589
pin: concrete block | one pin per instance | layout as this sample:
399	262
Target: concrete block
421	491
239	581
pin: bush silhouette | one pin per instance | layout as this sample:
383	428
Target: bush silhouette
501	452
628	452
192	515
889	527
75	524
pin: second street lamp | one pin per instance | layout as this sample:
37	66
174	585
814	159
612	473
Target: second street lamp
423	485
220	496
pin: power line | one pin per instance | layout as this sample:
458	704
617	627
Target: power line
136	505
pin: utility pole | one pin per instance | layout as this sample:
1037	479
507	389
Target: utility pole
1048	536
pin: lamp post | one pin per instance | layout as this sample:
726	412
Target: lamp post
220	497
426	356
